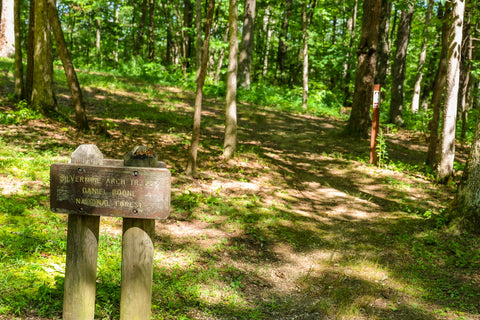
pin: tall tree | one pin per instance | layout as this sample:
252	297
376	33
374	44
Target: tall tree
465	69
282	41
464	212
30	49
198	39
307	14
246	49
19	84
383	46
151	30
72	80
191	169
187	23
421	60
267	31
347	65
437	94
359	121
7	33
399	64
447	139
42	84
230	141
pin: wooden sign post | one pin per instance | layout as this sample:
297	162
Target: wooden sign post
82	251
137	189
137	253
375	124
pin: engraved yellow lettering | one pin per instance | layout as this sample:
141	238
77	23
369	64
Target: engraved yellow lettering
123	193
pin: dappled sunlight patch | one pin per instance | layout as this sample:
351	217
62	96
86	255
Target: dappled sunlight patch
10	185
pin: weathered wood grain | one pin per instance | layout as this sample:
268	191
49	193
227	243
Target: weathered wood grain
137	253
82	251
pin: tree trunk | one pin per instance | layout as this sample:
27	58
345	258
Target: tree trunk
19	85
465	68
306	19
191	169
42	84
198	40
151	27
359	121
267	30
282	42
347	65
383	47
30	49
230	142
464	212
245	58
437	95
421	61
447	138
98	40
186	24
221	55
71	75
399	65
7	29
117	40
304	57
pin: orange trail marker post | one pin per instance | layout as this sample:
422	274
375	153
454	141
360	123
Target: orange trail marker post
375	124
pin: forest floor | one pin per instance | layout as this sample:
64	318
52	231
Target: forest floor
297	226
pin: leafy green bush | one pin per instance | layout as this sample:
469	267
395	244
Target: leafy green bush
21	115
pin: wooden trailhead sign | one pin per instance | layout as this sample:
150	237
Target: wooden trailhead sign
132	192
136	188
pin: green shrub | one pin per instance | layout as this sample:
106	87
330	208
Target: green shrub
21	115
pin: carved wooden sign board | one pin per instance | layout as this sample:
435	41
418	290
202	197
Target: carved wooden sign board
133	192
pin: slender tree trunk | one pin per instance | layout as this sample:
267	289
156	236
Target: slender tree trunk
447	138
383	47
42	85
282	42
151	27
198	41
399	65
359	121
72	80
347	65
191	169
221	55
304	57
421	61
7	29
186	24
138	44
98	40
437	95
267	30
117	40
465	68
30	49
245	58
19	85
306	19
230	142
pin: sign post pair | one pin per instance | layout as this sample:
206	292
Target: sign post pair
137	189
